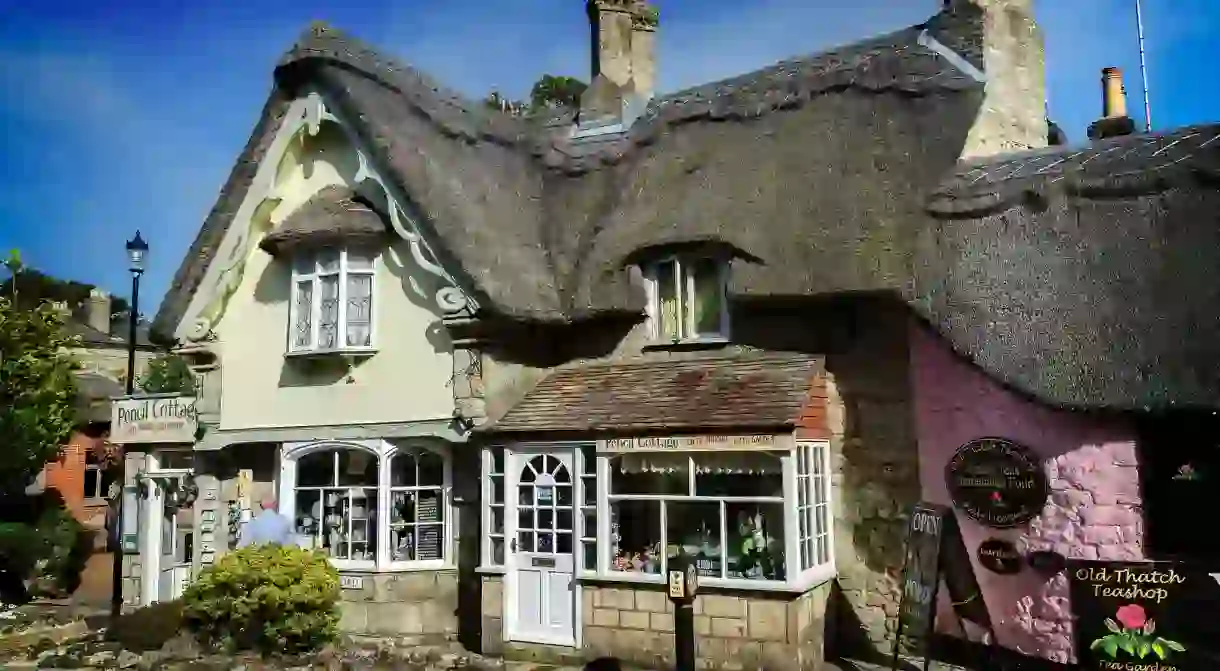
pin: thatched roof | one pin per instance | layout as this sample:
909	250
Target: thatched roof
818	171
333	216
1085	274
661	391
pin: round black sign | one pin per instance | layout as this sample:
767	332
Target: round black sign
997	482
999	556
1047	562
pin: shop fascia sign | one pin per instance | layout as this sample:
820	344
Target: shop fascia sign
161	418
698	443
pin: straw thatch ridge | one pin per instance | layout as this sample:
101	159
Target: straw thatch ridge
1084	275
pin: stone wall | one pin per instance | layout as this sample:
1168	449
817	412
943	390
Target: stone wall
734	631
1093	511
419	606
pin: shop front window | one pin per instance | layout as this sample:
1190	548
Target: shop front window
373	505
725	509
745	517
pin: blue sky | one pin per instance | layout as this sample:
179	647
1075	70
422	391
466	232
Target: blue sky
128	114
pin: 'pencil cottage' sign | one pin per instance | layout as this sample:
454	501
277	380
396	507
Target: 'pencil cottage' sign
1144	616
153	419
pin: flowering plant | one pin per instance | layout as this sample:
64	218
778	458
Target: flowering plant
1133	634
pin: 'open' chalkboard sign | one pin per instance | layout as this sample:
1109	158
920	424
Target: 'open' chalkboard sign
921	572
997	483
1145	616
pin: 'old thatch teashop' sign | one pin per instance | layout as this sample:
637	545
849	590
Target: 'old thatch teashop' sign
1145	616
153	419
997	482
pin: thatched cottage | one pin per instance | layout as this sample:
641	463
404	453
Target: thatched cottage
502	368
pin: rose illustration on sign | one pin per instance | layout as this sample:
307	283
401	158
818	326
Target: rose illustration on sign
1133	634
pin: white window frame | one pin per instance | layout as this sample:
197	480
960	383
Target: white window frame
653	276
384	452
342	273
99	494
798	579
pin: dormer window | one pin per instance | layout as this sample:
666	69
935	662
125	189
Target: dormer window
332	301
687	299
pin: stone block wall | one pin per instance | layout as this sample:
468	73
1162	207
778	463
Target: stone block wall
734	631
419	606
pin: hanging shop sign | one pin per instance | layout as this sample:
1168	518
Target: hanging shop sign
999	556
1133	616
153	419
997	483
701	443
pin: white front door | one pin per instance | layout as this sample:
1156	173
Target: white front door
541	599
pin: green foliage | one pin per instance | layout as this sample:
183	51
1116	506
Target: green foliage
552	91
50	548
267	598
37	392
167	374
148	628
28	288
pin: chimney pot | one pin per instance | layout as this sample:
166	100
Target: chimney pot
1114	121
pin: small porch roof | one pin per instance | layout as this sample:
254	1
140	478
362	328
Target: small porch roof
667	391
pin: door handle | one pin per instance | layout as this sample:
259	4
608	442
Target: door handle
512	545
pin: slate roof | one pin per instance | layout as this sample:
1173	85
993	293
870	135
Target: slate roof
1084	280
334	215
667	392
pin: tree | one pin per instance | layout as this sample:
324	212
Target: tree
37	389
28	288
167	374
552	91
548	93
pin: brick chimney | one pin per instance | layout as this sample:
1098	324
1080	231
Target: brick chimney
97	311
1114	121
1001	39
623	60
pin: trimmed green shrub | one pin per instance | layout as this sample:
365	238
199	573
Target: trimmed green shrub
49	550
148	628
267	598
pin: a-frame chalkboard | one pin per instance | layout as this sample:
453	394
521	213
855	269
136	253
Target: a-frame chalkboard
934	551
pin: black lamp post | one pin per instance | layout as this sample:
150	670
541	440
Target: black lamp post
137	252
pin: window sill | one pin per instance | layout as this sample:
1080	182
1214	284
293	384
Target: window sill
799	586
491	570
708	342
391	570
339	352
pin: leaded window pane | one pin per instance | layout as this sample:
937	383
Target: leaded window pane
359	310
302	329
328	321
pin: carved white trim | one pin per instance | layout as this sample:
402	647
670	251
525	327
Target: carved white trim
222	279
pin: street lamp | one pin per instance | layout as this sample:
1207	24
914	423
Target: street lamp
137	252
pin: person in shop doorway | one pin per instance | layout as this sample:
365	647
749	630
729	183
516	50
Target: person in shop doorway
269	526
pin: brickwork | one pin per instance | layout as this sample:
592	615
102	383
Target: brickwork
737	631
419	606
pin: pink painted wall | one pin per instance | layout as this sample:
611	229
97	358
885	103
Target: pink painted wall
1093	510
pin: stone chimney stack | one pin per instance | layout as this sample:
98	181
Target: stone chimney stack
623	59
97	311
1114	121
1001	39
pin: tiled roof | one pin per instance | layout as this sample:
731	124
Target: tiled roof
666	392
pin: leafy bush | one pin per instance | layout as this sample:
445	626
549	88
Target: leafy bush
148	628
45	544
266	598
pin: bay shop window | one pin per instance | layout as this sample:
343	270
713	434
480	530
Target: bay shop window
370	504
756	517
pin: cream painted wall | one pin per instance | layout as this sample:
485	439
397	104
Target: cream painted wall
406	380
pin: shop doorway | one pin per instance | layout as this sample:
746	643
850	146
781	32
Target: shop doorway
541	599
1180	480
